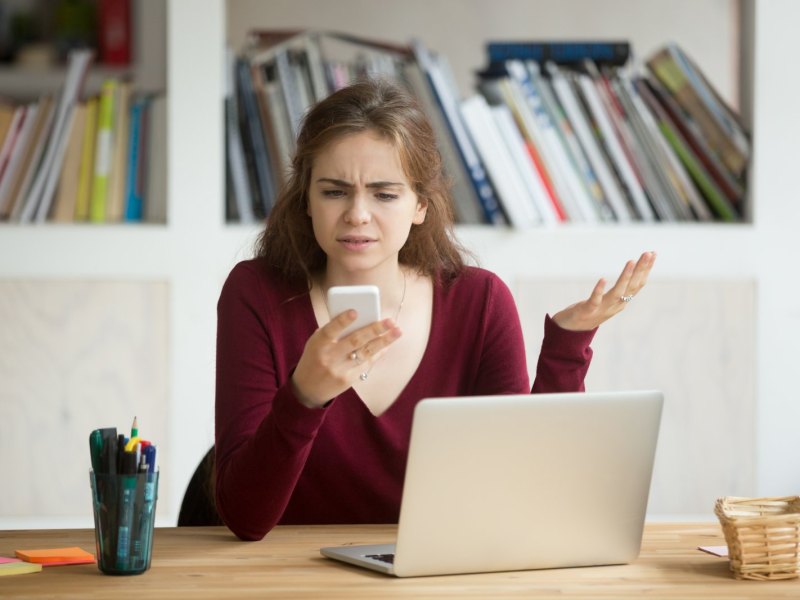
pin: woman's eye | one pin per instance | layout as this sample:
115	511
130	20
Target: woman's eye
386	197
332	193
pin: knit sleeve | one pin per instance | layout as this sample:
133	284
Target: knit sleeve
563	360
263	433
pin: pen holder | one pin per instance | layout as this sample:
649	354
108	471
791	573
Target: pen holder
124	514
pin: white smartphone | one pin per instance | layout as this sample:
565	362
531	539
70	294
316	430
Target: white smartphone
364	299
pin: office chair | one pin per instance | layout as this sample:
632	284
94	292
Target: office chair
198	507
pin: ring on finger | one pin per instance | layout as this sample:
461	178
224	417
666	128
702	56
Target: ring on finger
626	298
355	357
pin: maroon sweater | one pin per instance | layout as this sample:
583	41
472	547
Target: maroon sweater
280	462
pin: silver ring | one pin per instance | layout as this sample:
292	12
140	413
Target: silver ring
626	298
354	356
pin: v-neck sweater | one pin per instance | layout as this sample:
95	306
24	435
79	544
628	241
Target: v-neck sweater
278	461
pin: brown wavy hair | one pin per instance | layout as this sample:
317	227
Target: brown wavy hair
288	243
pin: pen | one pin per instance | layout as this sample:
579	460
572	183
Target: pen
126	506
134	429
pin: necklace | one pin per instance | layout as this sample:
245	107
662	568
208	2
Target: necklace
365	374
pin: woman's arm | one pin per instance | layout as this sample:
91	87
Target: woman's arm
263	433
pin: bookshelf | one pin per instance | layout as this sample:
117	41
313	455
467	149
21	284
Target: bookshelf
193	253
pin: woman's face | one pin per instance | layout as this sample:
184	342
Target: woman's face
361	203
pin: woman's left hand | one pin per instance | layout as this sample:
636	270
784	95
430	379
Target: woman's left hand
601	306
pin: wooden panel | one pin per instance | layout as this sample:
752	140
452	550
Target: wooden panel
74	356
695	340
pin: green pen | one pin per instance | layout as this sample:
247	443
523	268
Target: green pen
134	429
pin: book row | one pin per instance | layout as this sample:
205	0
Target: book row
100	159
555	132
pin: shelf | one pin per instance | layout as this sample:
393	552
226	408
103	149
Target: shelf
24	84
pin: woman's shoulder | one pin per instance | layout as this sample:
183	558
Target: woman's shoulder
475	279
256	275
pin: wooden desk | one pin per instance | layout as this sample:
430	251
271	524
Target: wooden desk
209	562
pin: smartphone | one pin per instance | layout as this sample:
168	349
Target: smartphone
364	299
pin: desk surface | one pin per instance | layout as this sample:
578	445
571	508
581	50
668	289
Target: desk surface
209	562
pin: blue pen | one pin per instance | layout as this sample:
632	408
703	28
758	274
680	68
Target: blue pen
150	455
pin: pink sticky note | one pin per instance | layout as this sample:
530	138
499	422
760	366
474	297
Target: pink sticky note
5	559
715	550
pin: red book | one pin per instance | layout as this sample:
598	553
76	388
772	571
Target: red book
114	32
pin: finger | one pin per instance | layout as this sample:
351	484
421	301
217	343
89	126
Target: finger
363	335
622	282
333	329
596	297
641	272
370	352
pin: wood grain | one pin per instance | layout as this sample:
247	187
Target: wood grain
210	562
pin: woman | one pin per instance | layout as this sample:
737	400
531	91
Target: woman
315	429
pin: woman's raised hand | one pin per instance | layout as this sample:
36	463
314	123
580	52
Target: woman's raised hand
329	365
601	306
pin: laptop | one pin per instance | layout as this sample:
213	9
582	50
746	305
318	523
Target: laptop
504	483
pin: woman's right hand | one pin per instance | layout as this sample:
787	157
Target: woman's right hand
329	365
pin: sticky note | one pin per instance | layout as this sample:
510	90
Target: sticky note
56	556
18	567
5	559
715	550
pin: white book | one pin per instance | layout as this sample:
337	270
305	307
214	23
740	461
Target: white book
615	150
77	66
495	155
590	200
10	141
569	101
532	181
16	149
529	126
571	188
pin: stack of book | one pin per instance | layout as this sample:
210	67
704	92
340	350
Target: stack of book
559	131
68	159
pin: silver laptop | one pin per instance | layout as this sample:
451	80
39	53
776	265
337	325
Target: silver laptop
503	483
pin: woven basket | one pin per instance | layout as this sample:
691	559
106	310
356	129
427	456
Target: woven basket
763	536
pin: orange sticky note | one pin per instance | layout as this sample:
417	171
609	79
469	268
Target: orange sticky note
56	556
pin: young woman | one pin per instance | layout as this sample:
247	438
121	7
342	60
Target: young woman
314	428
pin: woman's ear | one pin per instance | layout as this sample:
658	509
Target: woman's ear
419	214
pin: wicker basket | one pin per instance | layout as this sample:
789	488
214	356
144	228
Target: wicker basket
763	536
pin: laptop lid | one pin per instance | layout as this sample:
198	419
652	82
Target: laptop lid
521	482
526	482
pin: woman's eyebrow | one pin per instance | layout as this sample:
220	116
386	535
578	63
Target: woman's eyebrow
372	184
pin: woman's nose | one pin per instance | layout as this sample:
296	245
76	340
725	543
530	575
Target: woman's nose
358	211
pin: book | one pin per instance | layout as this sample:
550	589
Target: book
114	31
466	205
40	196
19	147
671	74
234	148
115	199
507	91
537	206
495	155
728	184
155	195
254	130
569	100
6	117
26	165
446	99
87	161
562	53
103	151
714	196
135	172
610	139
66	197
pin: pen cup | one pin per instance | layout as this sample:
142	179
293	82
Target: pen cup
124	513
